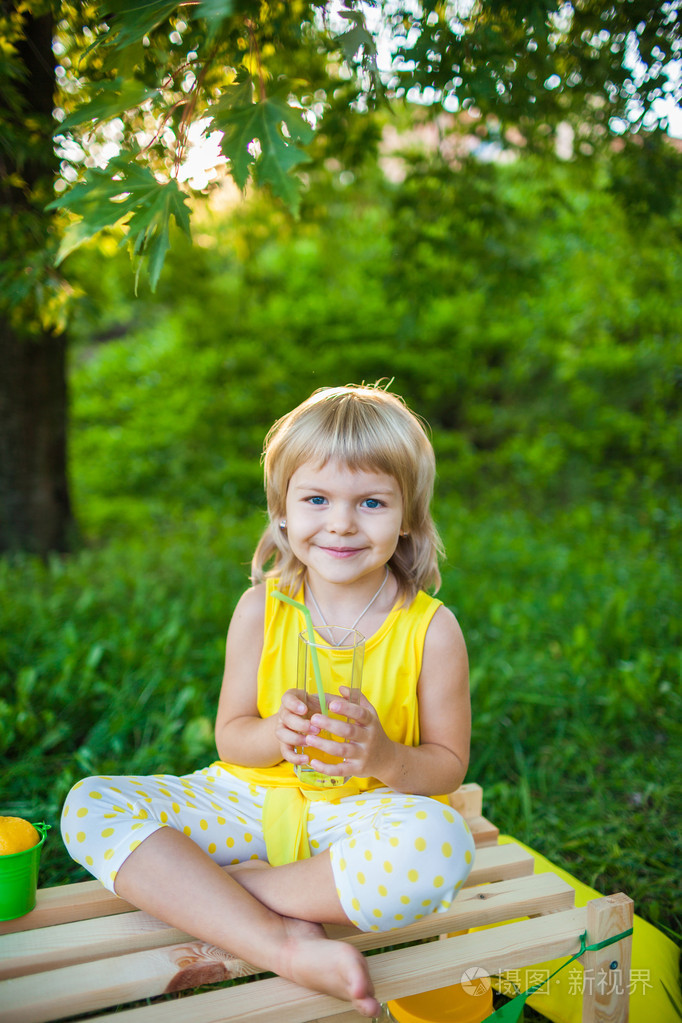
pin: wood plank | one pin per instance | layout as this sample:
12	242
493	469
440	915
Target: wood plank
83	941
67	944
395	974
87	900
467	800
606	976
483	832
91	986
343	1017
499	863
63	903
114	981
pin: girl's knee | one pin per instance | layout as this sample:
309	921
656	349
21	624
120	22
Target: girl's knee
79	800
411	866
92	802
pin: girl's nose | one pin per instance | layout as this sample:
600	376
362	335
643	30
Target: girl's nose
341	519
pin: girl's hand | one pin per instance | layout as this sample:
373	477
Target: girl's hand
361	742
292	726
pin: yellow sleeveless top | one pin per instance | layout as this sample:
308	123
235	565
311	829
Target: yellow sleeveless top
392	665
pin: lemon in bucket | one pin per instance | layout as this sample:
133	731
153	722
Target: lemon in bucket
16	835
20	845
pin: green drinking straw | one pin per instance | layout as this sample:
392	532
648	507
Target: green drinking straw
311	641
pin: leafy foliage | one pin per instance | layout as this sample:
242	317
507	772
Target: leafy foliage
266	77
241	121
535	64
504	301
126	192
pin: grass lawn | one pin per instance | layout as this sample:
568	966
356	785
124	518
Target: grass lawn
111	660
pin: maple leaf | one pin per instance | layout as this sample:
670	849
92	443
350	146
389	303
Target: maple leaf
243	121
129	194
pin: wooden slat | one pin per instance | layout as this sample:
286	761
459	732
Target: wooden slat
395	974
344	1017
63	903
483	832
92	986
84	940
606	985
498	863
467	800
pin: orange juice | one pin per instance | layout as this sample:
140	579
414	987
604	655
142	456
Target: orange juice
333	669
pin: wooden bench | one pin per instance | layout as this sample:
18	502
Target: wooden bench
82	950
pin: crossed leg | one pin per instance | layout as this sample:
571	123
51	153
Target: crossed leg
217	907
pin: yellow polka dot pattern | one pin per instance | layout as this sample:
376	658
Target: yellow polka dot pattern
395	858
406	873
115	815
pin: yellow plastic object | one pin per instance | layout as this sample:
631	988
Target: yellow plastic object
654	987
469	1003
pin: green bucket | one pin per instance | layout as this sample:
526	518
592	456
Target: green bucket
19	878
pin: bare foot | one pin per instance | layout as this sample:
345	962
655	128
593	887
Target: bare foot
310	959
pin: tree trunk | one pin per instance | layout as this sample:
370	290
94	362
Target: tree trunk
35	509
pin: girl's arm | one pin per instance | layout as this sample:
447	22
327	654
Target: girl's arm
242	736
438	765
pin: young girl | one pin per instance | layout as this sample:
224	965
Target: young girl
349	476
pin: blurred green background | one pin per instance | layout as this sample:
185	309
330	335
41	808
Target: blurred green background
530	311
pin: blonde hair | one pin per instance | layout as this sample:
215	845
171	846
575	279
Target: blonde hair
369	429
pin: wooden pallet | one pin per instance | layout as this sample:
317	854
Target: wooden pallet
82	950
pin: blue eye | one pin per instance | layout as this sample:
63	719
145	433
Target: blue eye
317	500
372	502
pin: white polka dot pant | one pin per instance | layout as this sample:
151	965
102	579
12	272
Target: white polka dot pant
395	857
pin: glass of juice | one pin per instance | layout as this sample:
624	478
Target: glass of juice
340	654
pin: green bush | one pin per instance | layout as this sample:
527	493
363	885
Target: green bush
517	308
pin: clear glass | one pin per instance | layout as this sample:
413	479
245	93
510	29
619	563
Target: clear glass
339	653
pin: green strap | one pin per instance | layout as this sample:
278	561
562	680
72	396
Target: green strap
511	1012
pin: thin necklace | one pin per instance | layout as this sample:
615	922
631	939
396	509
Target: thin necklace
361	615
